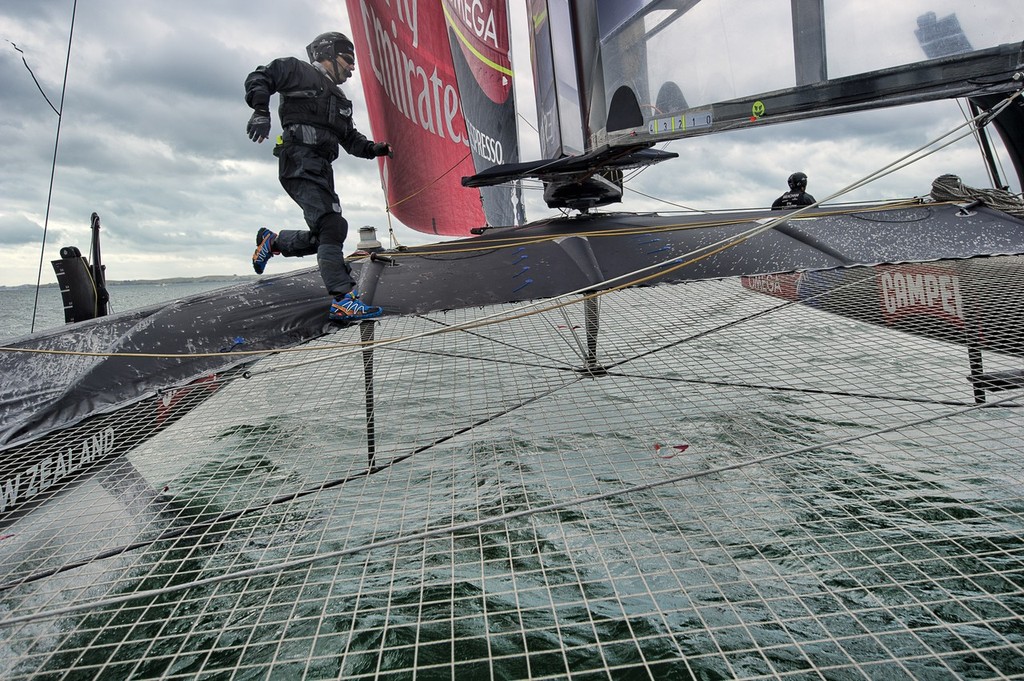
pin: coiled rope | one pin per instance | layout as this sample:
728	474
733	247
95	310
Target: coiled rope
951	188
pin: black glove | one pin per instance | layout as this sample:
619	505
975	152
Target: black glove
383	149
258	128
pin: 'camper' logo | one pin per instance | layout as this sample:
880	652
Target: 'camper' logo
906	291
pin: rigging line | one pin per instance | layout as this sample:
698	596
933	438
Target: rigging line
53	168
666	201
908	159
527	121
499	243
284	498
706	332
810	391
515	241
867	278
559	366
34	80
392	239
430	184
173	355
978	132
581	352
474	524
474	334
387	343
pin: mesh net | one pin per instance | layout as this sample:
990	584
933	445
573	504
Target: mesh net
703	480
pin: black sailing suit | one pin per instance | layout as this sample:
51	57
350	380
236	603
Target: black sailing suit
792	199
316	117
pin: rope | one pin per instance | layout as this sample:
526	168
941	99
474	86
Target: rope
951	188
35	80
53	165
517	241
429	184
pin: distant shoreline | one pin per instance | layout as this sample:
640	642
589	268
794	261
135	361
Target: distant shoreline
209	279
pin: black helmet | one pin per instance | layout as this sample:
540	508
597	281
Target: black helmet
329	46
797	181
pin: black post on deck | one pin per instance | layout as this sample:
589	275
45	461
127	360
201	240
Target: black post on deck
977	370
592	325
366	336
592	322
974	360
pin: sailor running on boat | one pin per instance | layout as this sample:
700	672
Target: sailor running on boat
316	118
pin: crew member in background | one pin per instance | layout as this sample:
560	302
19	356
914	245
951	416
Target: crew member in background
796	196
316	118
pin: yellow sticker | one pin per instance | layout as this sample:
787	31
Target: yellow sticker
758	109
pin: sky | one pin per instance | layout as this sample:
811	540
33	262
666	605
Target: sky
152	139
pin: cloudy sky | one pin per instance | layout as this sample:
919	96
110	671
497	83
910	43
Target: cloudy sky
152	139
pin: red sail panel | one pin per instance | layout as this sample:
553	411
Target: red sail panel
412	96
481	52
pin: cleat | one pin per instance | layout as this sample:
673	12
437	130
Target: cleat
264	250
350	309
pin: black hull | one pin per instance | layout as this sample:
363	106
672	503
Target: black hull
604	251
36	472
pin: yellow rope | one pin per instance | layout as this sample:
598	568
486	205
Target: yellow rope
429	184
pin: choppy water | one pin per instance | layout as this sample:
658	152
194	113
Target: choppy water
24	311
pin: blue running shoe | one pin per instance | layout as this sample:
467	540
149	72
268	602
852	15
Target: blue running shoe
264	251
350	309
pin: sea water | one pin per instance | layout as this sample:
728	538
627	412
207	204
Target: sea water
27	309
